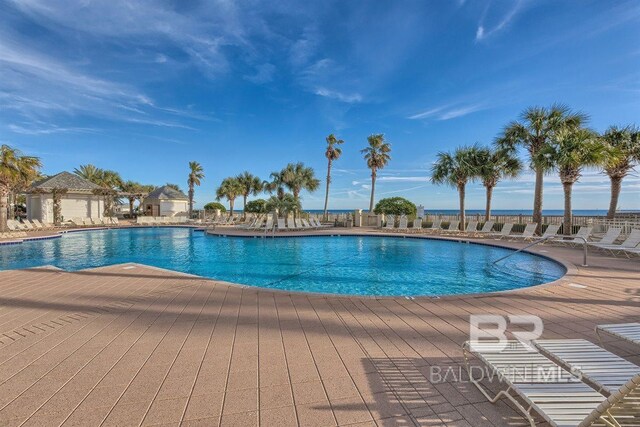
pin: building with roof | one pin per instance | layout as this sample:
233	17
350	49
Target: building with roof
77	199
166	201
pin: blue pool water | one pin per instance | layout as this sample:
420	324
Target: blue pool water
341	265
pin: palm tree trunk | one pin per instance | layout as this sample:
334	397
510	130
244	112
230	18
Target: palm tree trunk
373	190
231	202
616	185
566	224
487	211
4	195
244	207
190	199
461	194
131	201
537	200
326	195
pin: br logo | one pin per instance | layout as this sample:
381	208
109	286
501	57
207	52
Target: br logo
489	328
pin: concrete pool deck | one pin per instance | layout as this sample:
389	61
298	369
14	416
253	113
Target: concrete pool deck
135	345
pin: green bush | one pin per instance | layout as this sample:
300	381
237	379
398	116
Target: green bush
212	206
258	206
395	206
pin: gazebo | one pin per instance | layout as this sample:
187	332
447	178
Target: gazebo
166	201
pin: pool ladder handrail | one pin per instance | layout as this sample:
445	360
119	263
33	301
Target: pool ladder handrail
545	239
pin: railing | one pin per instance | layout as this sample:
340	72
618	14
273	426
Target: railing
545	239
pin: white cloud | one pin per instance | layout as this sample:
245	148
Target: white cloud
448	112
483	33
343	97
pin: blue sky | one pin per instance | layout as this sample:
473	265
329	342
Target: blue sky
144	87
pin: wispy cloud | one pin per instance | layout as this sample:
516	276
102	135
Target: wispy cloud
483	32
47	130
349	98
447	112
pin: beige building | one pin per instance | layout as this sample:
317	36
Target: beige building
78	201
166	201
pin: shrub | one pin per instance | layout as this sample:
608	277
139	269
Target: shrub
395	206
258	206
212	206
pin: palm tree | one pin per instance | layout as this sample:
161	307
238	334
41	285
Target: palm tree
570	151
457	170
14	168
196	173
534	132
132	191
624	144
276	185
89	172
283	205
251	185
297	177
377	157
493	166
230	188
333	152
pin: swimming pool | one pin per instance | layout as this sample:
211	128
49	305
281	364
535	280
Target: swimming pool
351	265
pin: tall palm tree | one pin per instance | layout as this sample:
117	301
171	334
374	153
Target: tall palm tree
297	177
377	157
196	173
14	168
624	144
276	185
457	170
229	189
570	151
251	185
534	131
493	166
333	152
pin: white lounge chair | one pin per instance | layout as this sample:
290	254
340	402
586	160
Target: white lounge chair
417	225
486	229
316	222
472	227
281	225
403	225
626	331
454	227
435	225
577	239
28	225
551	231
391	222
537	384
528	233
268	226
626	247
609	237
306	225
504	231
606	370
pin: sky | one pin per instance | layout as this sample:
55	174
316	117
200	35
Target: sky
145	87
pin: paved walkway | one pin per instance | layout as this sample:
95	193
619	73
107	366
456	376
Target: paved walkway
133	345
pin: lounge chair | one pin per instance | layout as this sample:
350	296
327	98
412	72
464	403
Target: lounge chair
291	224
391	222
435	225
504	231
472	227
38	224
551	231
77	222
404	223
269	224
486	229
606	370
28	225
281	225
537	384
316	223
454	227
417	225
528	233
626	331
306	225
627	247
577	239
609	237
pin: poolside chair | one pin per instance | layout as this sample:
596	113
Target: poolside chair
454	227
504	231
551	231
528	233
472	226
417	225
435	226
306	225
28	225
37	224
316	223
269	224
291	224
537	384
626	331
486	229
576	239
606	370
627	247
12	225
404	224
609	237
391	222
281	225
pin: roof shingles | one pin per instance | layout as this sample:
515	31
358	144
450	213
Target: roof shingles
65	180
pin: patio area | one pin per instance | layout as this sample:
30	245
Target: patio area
135	345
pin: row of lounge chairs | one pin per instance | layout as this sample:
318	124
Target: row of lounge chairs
161	220
297	224
94	222
26	225
568	382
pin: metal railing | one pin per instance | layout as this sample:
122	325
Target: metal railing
545	239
